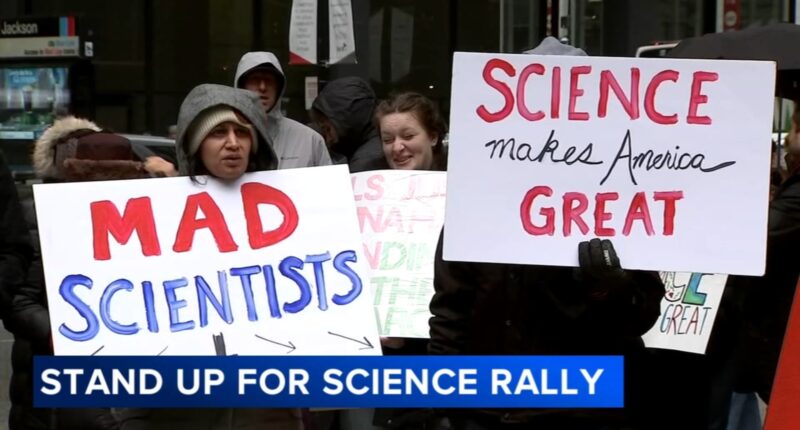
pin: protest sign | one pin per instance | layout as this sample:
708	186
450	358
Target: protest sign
268	264
303	32
341	33
667	158
400	214
688	311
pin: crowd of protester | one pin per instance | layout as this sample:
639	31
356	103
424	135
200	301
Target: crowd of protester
597	308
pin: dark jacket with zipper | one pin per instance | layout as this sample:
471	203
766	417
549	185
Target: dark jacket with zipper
506	309
28	317
16	250
754	311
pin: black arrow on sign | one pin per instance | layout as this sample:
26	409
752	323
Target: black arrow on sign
290	345
219	344
367	344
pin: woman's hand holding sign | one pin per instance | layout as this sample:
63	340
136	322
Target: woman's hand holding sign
621	299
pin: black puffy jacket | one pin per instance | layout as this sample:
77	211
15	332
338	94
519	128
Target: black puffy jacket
755	310
505	309
29	320
16	249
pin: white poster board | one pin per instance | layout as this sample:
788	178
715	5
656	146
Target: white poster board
667	158
268	265
688	311
400	214
342	43
303	32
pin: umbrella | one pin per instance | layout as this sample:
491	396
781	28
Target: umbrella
774	42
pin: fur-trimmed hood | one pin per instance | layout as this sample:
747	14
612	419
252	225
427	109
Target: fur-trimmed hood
76	150
44	152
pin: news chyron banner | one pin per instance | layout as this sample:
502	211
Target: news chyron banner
271	264
330	382
666	158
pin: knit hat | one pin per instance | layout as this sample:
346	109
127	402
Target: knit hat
212	117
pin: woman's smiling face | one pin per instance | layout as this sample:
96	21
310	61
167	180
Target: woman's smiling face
406	143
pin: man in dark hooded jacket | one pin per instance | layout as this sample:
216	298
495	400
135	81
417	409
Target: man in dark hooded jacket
344	113
509	309
755	310
765	302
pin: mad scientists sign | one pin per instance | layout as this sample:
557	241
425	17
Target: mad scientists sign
266	265
667	158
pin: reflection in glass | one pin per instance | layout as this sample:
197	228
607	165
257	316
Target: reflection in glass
30	99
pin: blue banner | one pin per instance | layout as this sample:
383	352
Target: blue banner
331	382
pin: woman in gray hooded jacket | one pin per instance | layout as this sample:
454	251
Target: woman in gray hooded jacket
221	134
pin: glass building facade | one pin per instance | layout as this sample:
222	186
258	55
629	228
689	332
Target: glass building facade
148	54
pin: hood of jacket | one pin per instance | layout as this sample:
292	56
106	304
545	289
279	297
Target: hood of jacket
350	104
76	150
552	46
247	103
252	60
44	151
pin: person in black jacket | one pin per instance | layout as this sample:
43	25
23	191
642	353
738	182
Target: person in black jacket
343	112
508	309
754	312
16	249
71	150
746	341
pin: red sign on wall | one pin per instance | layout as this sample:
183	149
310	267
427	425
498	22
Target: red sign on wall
731	15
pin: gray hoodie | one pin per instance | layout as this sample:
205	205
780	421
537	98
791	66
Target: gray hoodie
247	103
296	144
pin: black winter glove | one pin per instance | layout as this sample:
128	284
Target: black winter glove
600	268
